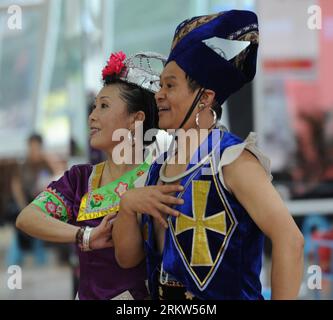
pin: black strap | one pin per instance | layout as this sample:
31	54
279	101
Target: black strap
189	113
195	102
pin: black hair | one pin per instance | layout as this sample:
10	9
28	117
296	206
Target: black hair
137	99
193	85
35	137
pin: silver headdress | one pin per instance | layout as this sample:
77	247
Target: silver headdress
137	69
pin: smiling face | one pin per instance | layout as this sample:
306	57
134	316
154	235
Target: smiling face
174	98
109	114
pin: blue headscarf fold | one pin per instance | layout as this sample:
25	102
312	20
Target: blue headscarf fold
218	51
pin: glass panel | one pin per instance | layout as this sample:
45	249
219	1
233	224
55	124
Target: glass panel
63	118
221	5
149	25
20	56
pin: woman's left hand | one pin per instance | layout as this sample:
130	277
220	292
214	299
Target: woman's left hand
101	236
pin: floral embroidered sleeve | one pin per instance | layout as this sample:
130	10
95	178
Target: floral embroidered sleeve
60	197
53	205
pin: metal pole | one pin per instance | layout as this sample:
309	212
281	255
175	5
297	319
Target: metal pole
201	7
108	26
48	57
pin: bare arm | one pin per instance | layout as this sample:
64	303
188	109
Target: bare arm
126	232
127	239
33	221
249	183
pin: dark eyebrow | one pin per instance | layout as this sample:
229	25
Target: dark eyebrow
103	97
168	77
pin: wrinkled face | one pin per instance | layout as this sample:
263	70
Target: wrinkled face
109	114
174	98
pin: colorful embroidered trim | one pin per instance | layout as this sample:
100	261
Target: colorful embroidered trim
52	203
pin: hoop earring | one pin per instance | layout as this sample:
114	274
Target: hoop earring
197	116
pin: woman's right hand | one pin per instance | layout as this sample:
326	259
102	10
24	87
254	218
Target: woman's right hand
152	200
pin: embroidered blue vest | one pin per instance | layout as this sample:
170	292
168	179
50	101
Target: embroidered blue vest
213	248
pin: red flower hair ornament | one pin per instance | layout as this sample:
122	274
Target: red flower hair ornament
115	65
135	69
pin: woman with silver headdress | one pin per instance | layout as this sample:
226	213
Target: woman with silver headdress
212	247
80	207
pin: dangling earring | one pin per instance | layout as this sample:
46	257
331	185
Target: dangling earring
131	138
214	116
201	106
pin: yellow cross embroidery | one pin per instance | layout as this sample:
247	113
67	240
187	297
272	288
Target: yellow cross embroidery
201	255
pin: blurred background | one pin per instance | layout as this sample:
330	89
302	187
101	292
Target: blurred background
50	71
